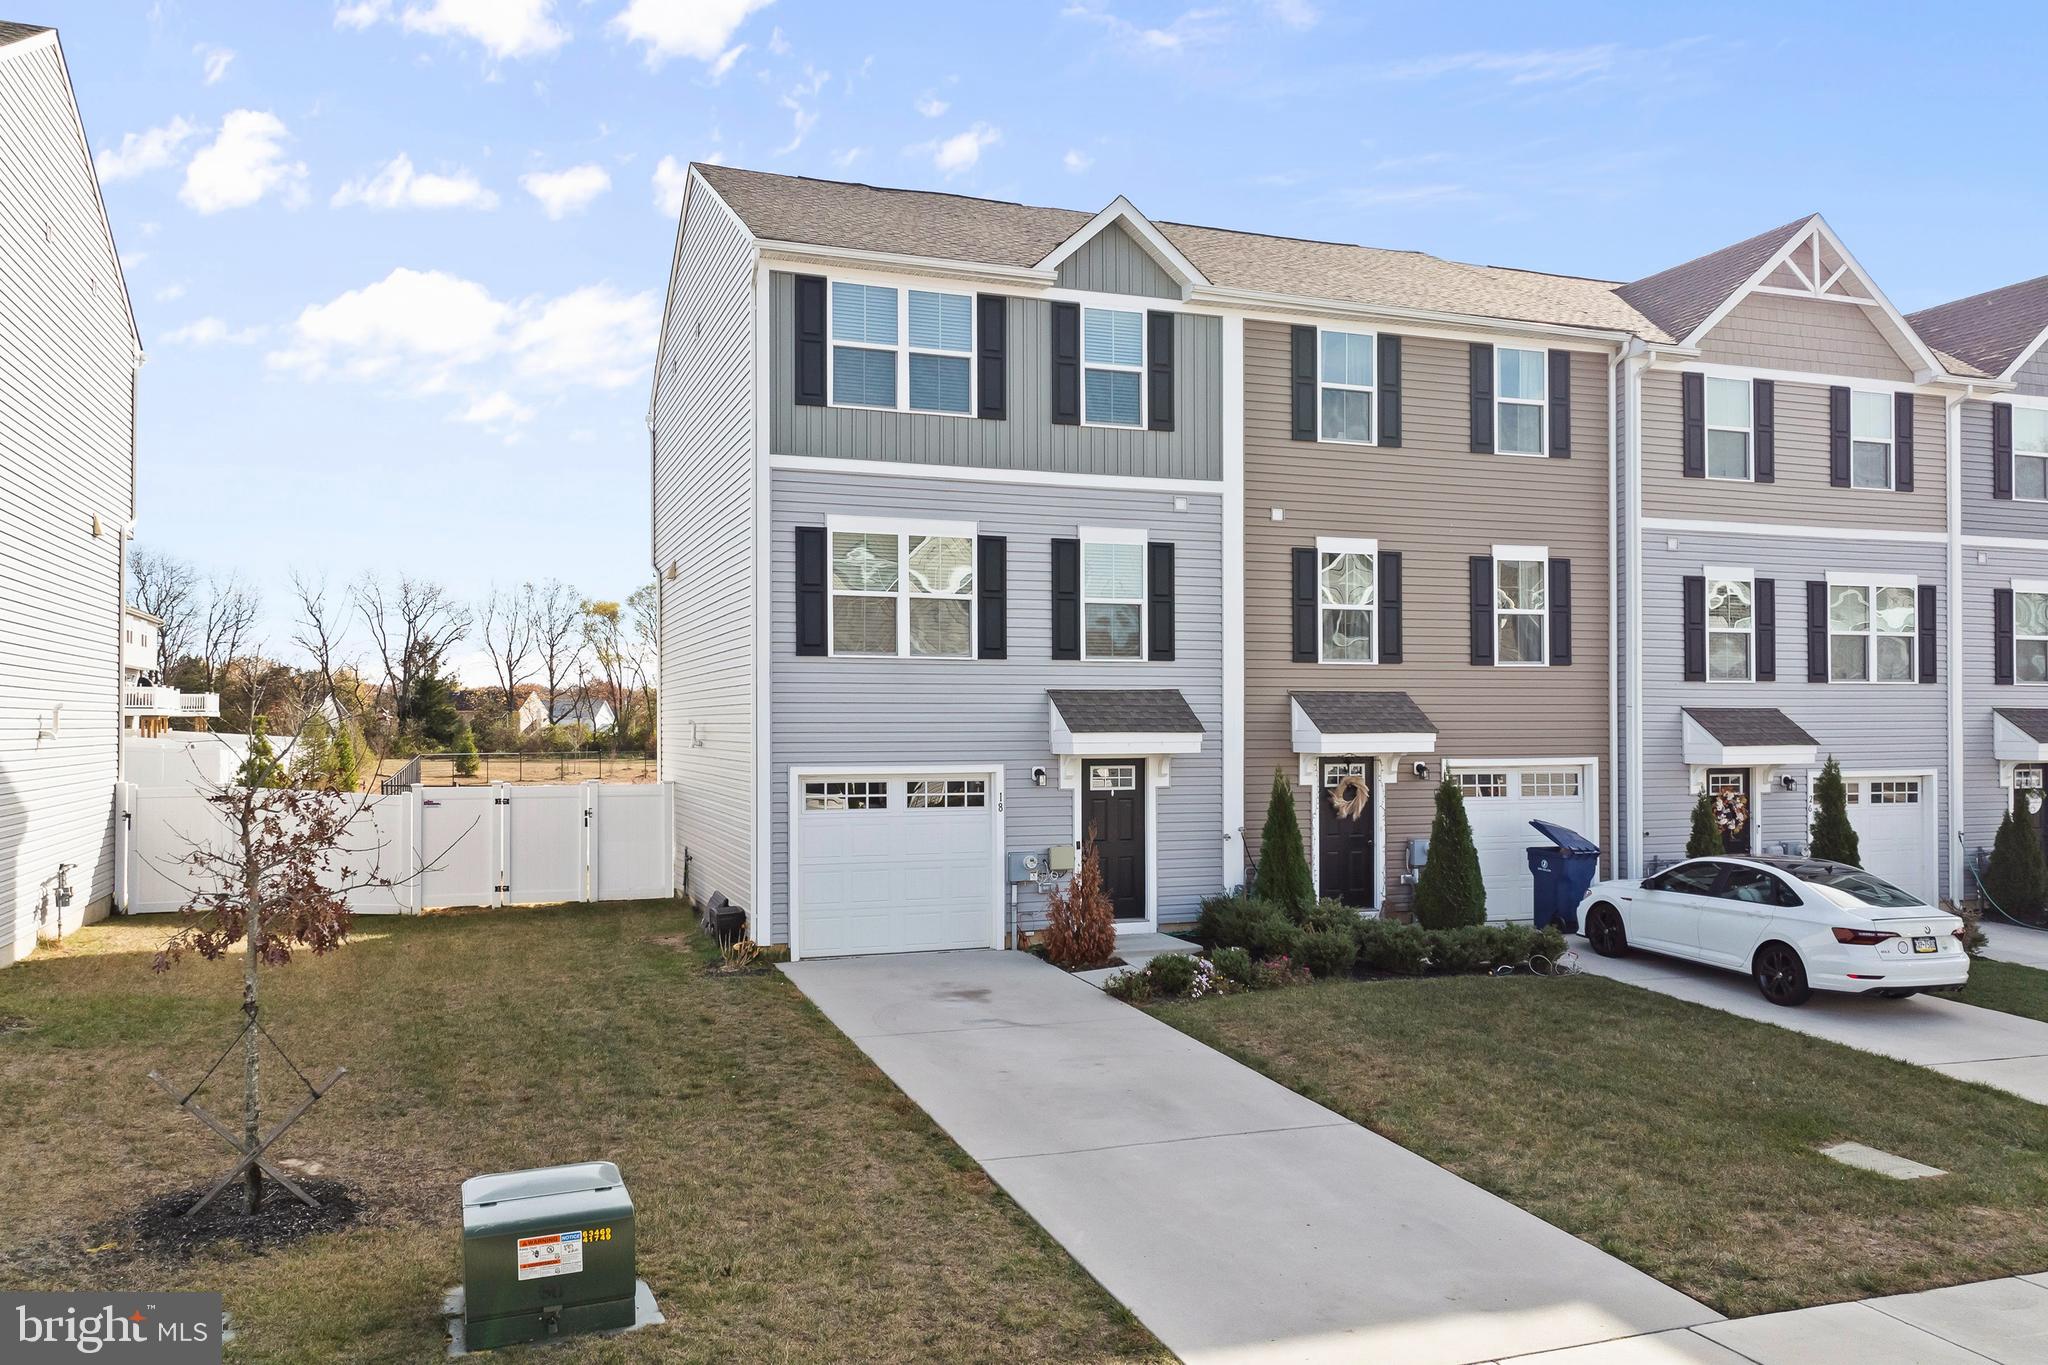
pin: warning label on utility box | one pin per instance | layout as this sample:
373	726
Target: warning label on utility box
558	1253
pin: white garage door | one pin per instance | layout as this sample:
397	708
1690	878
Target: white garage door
1889	815
1500	802
892	864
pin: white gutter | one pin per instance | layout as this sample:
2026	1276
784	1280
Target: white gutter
1299	303
1635	360
1614	786
804	251
1954	425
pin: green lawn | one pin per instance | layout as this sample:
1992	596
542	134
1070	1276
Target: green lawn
2007	986
792	1204
1676	1137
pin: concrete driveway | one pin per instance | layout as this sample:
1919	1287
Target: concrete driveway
1239	1221
2010	943
1971	1044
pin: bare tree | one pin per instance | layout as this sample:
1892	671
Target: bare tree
320	631
507	628
412	628
164	586
225	629
644	648
557	615
604	638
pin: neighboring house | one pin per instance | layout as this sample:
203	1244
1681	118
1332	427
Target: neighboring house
67	501
147	704
593	713
532	709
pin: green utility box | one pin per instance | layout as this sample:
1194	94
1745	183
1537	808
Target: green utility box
546	1253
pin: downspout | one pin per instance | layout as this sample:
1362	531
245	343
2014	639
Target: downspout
1632	409
1956	848
1614	774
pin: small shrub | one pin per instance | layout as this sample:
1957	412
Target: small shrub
1275	972
1706	839
1132	987
1450	891
2017	879
1328	914
1834	838
1259	927
1328	952
1283	865
1172	974
1465	949
1234	963
1549	944
1080	928
1385	945
1974	942
738	955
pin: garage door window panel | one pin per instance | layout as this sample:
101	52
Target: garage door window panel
1483	786
947	794
846	795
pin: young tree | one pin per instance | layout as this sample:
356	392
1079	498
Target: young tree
467	760
604	637
345	760
260	768
1834	838
2017	880
1283	865
429	709
1450	893
1706	840
1080	923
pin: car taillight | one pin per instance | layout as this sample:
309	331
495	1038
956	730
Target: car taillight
1865	937
1960	934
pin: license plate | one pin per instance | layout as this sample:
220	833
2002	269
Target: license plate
1926	943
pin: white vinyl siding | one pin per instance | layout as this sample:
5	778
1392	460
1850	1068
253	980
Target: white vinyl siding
1870	440
1112	367
1730	428
1349	370
1522	389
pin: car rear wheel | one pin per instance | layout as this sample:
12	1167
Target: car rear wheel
1605	932
1780	975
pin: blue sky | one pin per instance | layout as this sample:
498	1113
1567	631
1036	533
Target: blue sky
398	263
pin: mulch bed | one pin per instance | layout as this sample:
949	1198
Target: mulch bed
161	1227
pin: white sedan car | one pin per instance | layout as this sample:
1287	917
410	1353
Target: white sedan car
1796	925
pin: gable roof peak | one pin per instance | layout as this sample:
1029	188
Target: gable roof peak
1680	298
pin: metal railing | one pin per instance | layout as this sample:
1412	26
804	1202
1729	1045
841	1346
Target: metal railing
446	770
402	780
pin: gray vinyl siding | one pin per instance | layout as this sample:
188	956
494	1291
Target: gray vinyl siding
2032	377
703	526
878	712
1984	515
1112	262
1902	727
1984	800
66	423
1774	332
1027	439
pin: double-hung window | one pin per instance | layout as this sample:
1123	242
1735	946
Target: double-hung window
1349	381
1873	630
1731	625
873	367
1347	574
903	590
1730	428
1870	440
1522	382
1113	367
1521	604
864	333
2030	453
1112	594
2030	632
941	346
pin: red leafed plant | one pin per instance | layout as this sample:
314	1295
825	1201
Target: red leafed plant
1080	924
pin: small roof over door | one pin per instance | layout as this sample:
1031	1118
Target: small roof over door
1119	721
1745	737
1360	723
2020	734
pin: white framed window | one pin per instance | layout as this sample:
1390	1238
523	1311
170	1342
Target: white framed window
857	794
1112	367
1347	591
2030	453
910	350
1731	429
1890	792
1728	784
1482	786
1334	774
1870	440
1521	606
902	588
1113	777
1731	625
2030	632
1112	593
1348	366
1558	783
947	793
1521	388
1873	630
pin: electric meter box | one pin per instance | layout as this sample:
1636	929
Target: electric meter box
546	1253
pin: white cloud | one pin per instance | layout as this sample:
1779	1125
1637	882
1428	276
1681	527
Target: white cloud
497	409
170	293
701	29
211	331
1189	29
670	178
931	106
1536	66
214	61
243	164
595	337
131	259
562	193
778	44
845	160
361	14
503	28
725	62
1294	14
429	321
960	152
150	150
1077	160
398	186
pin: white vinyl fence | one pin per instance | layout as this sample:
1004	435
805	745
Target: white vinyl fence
501	844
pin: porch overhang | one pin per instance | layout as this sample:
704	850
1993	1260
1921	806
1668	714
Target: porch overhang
1746	737
1122	722
2019	735
1381	724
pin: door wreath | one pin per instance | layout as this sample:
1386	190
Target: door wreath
1731	811
1350	796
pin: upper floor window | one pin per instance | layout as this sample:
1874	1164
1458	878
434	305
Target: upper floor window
903	592
1870	440
872	368
1520	605
1112	595
1113	367
2030	453
1520	394
1873	631
1347	575
864	372
1730	428
1349	382
2030	636
1731	626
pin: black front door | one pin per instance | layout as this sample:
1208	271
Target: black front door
1344	847
1733	783
1113	822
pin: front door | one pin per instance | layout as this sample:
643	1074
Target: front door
1732	783
1344	845
1113	822
2029	794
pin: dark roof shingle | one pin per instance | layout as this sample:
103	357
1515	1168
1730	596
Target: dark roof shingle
2031	720
1988	330
1679	299
12	32
1133	710
1750	725
1364	713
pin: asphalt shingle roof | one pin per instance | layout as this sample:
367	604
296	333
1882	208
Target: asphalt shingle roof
1987	330
12	32
2032	721
1679	299
1364	713
1749	725
1108	710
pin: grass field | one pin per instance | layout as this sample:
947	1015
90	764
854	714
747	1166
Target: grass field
792	1204
1676	1137
2007	986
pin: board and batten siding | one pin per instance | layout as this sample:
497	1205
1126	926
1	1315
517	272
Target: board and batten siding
1876	727
67	354
1112	262
1027	439
1437	503
872	713
1776	332
703	453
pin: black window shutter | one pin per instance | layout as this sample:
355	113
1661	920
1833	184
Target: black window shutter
991	373
1561	405
1390	606
1482	609
1560	612
1817	631
1902	444
1764	417
1928	607
1066	365
809	333
1390	391
811	590
1766	612
1482	405
1692	400
2001	635
1159	594
1695	628
1306	650
2001	450
1159	371
1303	347
1066	599
992	589
1838	436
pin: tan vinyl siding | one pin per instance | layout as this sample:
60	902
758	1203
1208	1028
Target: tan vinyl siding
1112	262
1438	504
1774	332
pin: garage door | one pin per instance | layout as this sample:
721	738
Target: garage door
894	864
1500	802
1889	815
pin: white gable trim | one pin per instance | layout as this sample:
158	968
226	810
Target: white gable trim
1122	210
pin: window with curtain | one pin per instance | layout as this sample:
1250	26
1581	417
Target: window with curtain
902	593
1520	610
1113	366
1873	632
1349	381
864	336
1731	629
1112	600
2030	637
1522	386
1347	591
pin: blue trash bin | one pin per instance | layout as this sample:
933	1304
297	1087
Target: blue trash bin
1563	869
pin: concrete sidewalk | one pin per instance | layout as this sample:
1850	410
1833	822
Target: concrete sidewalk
2010	943
1238	1220
1971	1044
